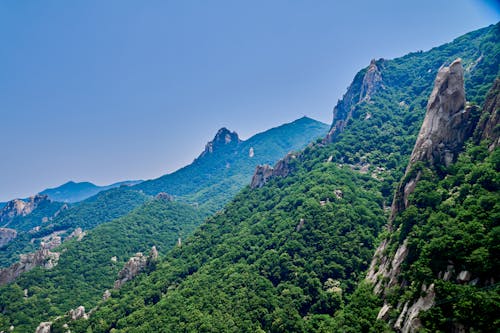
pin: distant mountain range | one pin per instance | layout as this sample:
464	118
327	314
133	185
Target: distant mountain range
74	192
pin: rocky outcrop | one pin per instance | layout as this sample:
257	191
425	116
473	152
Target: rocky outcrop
263	173
408	320
78	233
44	327
488	127
41	258
448	123
134	266
6	235
78	313
18	207
51	241
372	82
164	196
223	138
363	87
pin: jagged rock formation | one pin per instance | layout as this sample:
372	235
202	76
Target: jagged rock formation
447	124
263	173
222	138
78	233
372	81
43	257
6	235
78	313
360	90
44	327
488	127
164	196
18	207
134	266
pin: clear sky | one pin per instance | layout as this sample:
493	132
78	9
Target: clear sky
106	90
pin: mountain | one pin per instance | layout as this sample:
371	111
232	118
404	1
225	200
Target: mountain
74	192
108	223
227	163
25	214
57	219
290	253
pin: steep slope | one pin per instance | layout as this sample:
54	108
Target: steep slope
23	215
286	255
88	266
221	170
101	208
444	221
75	192
227	163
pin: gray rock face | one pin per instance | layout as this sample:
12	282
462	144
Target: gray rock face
222	138
134	266
263	173
78	233
43	258
6	235
78	313
447	125
408	320
361	90
164	196
488	127
18	207
372	82
44	327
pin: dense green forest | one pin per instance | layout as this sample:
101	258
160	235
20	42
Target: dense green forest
101	208
288	256
86	268
214	178
45	209
207	182
291	256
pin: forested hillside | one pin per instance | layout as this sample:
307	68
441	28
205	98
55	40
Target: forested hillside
89	266
226	166
287	256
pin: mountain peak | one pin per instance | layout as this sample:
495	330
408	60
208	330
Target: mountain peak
222	138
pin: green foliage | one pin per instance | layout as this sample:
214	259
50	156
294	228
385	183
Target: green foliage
452	224
288	257
85	268
45	209
255	266
214	178
101	208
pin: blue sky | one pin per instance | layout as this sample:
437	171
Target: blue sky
104	91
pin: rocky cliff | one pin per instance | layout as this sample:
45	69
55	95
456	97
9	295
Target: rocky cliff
448	123
134	266
41	258
361	89
6	235
223	138
263	173
18	207
488	127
